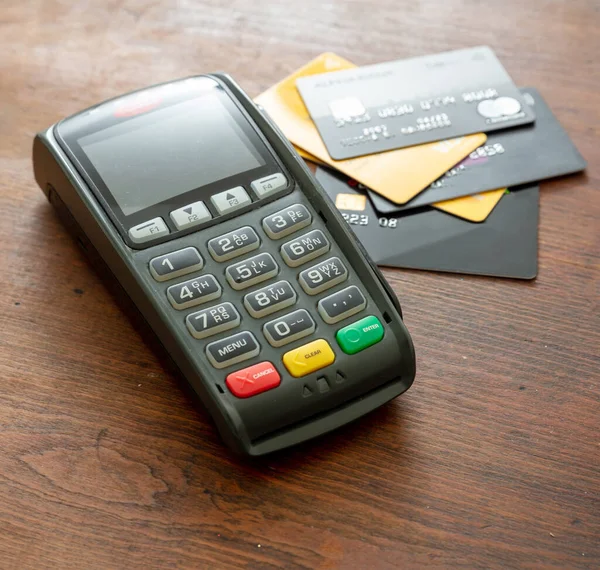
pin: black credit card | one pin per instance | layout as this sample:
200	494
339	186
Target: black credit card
505	245
509	158
402	103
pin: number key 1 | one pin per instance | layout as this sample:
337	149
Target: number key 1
176	264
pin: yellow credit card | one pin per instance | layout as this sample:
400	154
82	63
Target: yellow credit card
473	208
398	175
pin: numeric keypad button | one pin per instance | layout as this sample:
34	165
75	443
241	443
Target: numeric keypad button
287	221
323	276
233	244
233	349
341	305
194	292
288	328
176	264
270	299
251	271
304	248
212	320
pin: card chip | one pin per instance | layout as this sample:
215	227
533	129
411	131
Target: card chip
351	202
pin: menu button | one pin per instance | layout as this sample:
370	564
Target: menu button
232	350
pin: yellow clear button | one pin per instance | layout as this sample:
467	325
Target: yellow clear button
308	358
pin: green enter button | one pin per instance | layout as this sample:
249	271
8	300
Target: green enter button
360	335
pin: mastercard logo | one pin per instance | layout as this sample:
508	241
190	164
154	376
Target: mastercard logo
500	107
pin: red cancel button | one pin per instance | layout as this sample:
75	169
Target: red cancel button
253	380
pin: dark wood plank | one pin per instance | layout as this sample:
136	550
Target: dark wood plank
490	460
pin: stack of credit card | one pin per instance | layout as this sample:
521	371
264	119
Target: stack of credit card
433	161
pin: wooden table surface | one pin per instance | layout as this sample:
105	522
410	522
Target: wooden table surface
491	460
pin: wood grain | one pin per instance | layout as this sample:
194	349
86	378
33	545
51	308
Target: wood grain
491	460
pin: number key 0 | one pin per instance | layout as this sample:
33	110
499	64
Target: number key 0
289	328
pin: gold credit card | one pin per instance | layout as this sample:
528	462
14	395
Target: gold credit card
474	208
398	175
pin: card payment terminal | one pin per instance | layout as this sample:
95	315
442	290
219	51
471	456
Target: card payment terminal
234	256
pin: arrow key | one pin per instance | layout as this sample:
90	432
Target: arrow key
230	200
190	215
